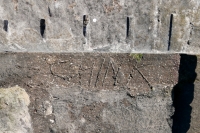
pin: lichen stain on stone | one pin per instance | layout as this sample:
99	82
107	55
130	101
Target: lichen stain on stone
14	115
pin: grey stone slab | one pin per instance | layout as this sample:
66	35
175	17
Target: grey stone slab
150	29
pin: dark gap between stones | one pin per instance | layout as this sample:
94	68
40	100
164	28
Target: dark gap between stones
183	94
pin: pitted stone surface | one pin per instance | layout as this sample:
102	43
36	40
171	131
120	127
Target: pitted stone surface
123	26
110	111
109	93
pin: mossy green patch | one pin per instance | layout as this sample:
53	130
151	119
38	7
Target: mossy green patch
137	57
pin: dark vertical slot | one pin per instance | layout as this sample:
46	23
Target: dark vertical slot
5	27
42	27
188	42
85	22
49	10
170	31
191	30
158	15
127	26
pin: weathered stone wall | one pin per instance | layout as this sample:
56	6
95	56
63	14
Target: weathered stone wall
79	93
151	26
83	92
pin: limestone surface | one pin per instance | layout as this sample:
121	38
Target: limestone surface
14	112
123	26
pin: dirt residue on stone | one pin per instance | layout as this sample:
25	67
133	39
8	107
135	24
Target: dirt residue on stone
79	93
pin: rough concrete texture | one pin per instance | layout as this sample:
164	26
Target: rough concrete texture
109	26
15	117
107	93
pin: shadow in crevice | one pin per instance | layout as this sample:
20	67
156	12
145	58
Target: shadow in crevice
170	31
183	94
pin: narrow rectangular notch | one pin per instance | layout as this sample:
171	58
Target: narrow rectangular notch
42	27
85	22
170	31
127	26
49	10
5	27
